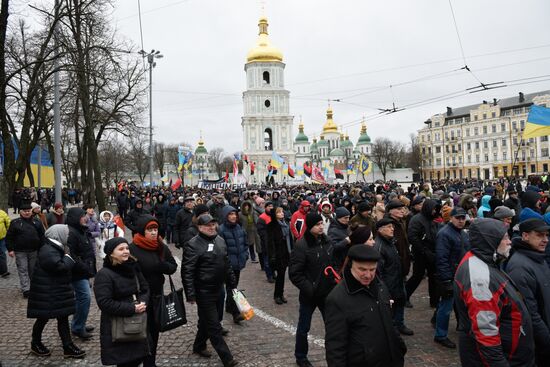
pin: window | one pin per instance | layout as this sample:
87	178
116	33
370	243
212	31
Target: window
459	147
486	157
544	138
485	144
495	156
467	119
504	156
475	117
503	143
484	129
494	143
493	114
515	140
438	161
545	167
532	153
484	116
268	139
469	159
467	132
447	148
494	128
468	146
476	131
266	77
267	103
477	144
517	111
507	113
544	152
522	124
503	127
437	124
438	149
514	125
477	158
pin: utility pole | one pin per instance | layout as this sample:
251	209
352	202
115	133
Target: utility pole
56	113
151	56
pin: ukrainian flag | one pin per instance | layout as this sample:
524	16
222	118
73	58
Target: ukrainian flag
276	160
365	166
538	122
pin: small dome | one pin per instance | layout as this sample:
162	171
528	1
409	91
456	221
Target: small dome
264	51
364	137
322	142
301	138
337	152
346	143
200	148
313	147
329	126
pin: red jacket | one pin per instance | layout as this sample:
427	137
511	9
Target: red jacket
298	220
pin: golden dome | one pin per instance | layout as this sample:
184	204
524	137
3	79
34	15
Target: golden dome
264	51
329	126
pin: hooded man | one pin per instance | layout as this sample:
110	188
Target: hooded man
133	216
494	324
327	214
422	233
237	250
84	269
338	234
183	220
297	222
530	202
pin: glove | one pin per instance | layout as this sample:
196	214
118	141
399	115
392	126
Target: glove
446	289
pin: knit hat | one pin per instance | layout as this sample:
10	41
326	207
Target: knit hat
312	219
112	244
200	209
143	222
363	207
34	205
418	199
57	206
502	212
383	222
363	253
25	205
446	213
342	212
360	235
58	232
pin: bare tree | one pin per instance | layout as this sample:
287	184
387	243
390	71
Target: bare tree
380	154
414	156
114	161
397	155
159	157
138	154
216	160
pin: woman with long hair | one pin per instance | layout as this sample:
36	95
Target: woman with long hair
120	290
155	261
279	246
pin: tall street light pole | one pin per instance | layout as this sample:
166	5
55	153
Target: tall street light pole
151	56
57	116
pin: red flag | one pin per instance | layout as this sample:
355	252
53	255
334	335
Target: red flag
176	184
290	171
252	167
316	175
235	168
226	178
307	169
245	159
338	174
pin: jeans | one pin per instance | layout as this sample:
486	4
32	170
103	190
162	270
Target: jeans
3	258
280	282
25	266
62	329
209	327
230	304
304	324
442	317
83	296
398	315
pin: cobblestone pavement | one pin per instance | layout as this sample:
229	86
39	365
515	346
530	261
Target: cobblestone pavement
266	340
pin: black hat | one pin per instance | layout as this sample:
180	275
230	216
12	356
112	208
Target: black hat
418	199
143	221
384	222
394	204
363	253
360	234
458	212
267	203
200	209
363	207
342	212
205	219
25	205
111	244
312	219
533	224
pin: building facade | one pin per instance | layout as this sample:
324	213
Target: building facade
484	141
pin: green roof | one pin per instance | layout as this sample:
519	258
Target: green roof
337	152
301	138
201	150
322	143
345	143
363	139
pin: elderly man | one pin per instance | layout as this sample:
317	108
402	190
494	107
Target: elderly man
358	321
206	268
527	268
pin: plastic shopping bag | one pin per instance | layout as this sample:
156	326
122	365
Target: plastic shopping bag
242	304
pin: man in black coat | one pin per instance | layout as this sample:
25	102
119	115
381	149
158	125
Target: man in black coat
84	269
205	269
123	203
338	234
24	238
391	272
422	234
133	216
183	220
528	269
308	260
358	321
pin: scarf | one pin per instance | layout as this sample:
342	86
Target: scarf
286	234
149	245
126	269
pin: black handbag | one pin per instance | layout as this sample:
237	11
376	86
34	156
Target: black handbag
170	311
129	328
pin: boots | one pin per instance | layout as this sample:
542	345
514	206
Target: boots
40	349
72	351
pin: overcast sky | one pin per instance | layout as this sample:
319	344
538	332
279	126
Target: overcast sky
351	50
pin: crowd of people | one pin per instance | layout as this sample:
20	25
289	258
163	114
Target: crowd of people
357	253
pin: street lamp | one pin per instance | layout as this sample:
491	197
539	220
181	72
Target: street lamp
151	56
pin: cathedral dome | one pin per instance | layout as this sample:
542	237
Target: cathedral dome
329	126
264	51
301	137
346	143
313	147
363	138
322	142
200	148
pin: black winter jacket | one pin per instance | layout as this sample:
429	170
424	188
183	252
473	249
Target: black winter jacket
206	267
154	266
451	245
337	234
183	222
114	288
359	328
277	248
80	249
495	328
389	269
529	271
133	217
51	294
25	235
422	231
308	260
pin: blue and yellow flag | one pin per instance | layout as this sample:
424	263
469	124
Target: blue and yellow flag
365	166
538	122
276	160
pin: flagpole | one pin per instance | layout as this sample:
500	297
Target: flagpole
514	162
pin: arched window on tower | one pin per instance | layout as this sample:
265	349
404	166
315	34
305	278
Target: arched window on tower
266	77
268	139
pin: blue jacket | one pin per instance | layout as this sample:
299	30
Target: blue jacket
484	206
451	245
235	240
